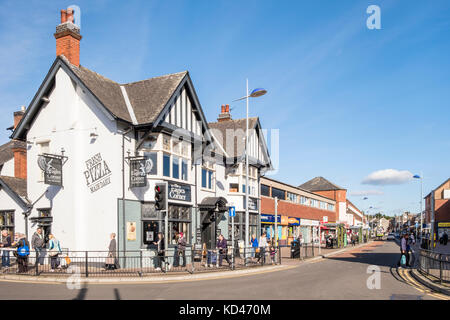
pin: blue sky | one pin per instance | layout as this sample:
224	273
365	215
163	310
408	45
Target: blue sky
348	101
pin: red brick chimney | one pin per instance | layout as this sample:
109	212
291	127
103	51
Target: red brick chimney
20	160
68	38
225	114
19	149
18	115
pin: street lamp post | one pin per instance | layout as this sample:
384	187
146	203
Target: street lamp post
254	94
421	196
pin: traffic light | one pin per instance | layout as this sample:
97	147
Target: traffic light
161	196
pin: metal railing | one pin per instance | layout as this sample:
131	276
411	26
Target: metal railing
304	251
435	265
135	263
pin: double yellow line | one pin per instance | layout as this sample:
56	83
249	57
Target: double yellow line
405	275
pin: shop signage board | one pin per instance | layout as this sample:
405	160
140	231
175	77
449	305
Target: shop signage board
308	222
52	167
180	192
138	172
444	224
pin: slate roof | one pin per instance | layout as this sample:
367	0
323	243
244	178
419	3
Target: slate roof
147	97
319	184
6	153
19	186
224	131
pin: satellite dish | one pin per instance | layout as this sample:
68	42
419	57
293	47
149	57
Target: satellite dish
42	163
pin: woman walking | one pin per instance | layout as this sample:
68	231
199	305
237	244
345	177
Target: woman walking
112	262
54	250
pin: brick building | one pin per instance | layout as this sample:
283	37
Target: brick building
299	211
437	203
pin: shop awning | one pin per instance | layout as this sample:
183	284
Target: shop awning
211	203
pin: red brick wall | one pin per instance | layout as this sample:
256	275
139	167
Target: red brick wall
287	208
442	213
20	163
69	46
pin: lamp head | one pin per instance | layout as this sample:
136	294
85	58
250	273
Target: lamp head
258	92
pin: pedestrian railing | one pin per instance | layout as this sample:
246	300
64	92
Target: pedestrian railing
134	263
303	251
435	265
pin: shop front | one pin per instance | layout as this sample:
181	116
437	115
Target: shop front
309	230
287	227
443	227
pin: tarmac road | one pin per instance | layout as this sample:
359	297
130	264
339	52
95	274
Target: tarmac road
343	276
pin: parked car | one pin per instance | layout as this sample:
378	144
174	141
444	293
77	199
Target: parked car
391	236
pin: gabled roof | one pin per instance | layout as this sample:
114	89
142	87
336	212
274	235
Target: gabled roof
17	186
319	184
6	153
237	127
147	97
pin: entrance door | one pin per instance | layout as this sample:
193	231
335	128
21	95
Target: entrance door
208	228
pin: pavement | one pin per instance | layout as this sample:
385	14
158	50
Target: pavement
362	273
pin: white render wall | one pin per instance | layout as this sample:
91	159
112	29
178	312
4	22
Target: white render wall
8	168
7	202
81	220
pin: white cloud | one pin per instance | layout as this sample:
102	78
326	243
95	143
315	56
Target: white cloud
388	177
367	193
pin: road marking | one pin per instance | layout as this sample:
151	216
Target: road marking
404	274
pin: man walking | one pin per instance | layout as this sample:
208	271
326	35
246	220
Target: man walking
6	243
38	244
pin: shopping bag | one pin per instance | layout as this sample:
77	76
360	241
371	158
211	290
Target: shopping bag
403	260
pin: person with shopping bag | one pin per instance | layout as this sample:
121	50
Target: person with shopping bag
112	262
54	250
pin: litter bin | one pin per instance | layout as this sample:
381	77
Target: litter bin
295	249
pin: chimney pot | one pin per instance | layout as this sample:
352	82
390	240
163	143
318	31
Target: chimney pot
227	108
70	15
63	16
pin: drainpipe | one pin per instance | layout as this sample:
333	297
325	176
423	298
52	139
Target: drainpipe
127	130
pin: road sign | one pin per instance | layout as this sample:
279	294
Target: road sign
232	211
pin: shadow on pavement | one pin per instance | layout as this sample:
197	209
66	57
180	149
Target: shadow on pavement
81	294
370	258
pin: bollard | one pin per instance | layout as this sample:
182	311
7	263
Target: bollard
440	268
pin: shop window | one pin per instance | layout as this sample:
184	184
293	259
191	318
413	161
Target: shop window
150	232
184	169
280	194
149	211
176	227
207	178
7	222
166	165
234	187
175	167
265	190
166	143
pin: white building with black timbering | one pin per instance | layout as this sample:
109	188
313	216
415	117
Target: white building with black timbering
91	142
